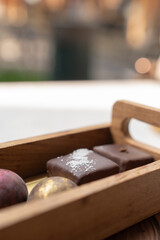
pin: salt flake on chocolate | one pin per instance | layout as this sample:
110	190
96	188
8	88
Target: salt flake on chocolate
79	159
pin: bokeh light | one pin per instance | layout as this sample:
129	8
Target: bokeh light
143	65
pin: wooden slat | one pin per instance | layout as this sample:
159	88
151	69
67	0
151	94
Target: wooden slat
148	229
93	211
28	157
123	111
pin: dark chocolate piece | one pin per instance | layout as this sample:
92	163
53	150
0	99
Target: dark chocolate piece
125	156
82	166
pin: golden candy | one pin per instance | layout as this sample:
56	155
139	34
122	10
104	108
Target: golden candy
33	181
50	186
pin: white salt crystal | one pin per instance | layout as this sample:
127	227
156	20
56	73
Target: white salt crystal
79	159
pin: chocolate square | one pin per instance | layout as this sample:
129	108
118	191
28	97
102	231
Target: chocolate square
82	166
125	156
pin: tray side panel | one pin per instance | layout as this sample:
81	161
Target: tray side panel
123	112
93	211
28	157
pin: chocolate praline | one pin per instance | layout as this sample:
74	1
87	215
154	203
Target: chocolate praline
82	166
125	156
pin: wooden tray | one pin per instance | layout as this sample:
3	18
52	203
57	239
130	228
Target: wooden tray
92	211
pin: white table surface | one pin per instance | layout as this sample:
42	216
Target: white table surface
31	109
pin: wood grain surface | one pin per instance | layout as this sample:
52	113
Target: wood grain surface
123	112
92	211
148	229
96	210
28	157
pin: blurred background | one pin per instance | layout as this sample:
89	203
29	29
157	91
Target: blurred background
79	39
50	43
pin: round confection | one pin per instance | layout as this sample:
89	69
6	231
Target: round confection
13	189
50	186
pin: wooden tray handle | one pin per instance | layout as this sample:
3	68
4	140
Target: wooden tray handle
123	112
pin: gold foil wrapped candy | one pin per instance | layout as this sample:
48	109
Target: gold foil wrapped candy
50	186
